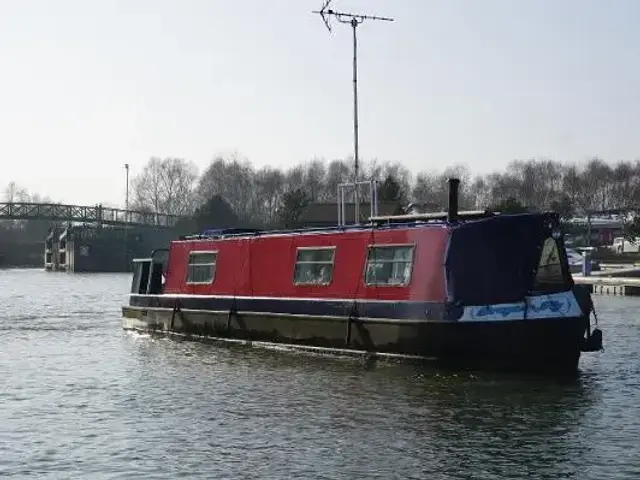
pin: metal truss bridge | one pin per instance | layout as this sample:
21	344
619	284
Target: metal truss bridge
85	214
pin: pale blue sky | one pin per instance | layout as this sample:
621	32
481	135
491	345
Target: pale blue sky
86	86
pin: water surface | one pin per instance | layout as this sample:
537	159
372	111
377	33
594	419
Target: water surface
81	398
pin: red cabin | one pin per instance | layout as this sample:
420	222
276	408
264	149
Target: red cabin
398	264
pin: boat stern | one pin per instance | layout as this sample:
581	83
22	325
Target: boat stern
511	275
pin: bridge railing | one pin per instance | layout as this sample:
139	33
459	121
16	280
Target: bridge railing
85	214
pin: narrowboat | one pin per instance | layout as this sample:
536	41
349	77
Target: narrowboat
470	289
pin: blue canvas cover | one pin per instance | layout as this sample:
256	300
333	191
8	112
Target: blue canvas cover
494	260
228	231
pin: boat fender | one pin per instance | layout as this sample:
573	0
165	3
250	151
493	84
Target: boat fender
230	316
593	343
176	309
353	317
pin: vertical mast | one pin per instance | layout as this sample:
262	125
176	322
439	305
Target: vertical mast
354	20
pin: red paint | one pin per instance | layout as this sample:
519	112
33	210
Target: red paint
263	265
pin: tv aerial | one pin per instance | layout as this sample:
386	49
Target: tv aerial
353	19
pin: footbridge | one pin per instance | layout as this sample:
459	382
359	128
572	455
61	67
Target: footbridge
97	215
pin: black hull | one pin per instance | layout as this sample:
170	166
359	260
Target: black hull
551	345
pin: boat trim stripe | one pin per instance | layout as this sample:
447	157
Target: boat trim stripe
398	321
303	306
267	297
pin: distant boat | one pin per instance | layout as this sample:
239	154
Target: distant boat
576	259
465	288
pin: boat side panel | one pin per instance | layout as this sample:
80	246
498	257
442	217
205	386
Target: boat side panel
311	307
264	265
549	344
233	267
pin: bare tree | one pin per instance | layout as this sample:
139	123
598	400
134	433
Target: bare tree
13	193
269	189
478	194
504	186
399	173
314	180
596	182
373	169
231	177
338	172
540	181
572	184
293	178
426	191
165	186
625	183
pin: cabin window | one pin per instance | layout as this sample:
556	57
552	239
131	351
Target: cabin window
202	267
550	267
314	266
389	265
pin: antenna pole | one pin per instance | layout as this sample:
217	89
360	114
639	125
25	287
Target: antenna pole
354	20
356	152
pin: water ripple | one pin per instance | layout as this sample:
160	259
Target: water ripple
81	398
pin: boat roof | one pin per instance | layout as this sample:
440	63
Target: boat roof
243	233
393	222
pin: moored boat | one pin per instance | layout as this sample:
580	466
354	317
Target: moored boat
476	289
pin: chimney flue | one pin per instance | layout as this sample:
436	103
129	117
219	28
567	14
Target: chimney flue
452	211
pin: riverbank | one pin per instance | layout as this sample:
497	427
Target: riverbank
605	255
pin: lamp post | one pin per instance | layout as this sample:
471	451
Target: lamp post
126	199
126	217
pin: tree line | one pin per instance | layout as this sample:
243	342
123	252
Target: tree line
269	196
233	189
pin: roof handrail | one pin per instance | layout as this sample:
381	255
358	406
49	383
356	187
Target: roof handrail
465	214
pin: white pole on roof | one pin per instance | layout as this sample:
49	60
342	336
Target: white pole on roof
375	198
354	20
343	207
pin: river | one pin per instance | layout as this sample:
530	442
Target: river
83	399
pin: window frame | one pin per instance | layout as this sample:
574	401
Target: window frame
189	264
553	287
371	246
296	262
